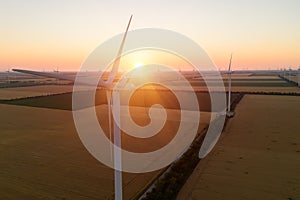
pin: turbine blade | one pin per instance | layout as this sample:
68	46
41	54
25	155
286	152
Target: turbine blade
229	67
112	74
116	63
45	74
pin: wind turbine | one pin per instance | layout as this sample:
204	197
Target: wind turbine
108	85
8	78
299	77
56	71
229	113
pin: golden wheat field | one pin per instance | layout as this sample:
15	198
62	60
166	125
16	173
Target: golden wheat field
257	156
42	156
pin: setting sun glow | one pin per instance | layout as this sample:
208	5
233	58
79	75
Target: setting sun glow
138	64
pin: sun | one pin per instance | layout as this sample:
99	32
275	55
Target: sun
138	64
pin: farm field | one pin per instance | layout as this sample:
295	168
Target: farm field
261	89
42	156
253	84
42	150
257	157
240	83
31	91
140	98
283	90
293	78
247	83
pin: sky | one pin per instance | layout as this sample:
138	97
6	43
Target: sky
45	35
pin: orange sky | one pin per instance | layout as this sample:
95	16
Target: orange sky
46	35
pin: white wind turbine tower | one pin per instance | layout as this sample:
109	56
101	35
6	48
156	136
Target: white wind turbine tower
8	77
56	71
229	113
299	77
116	129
